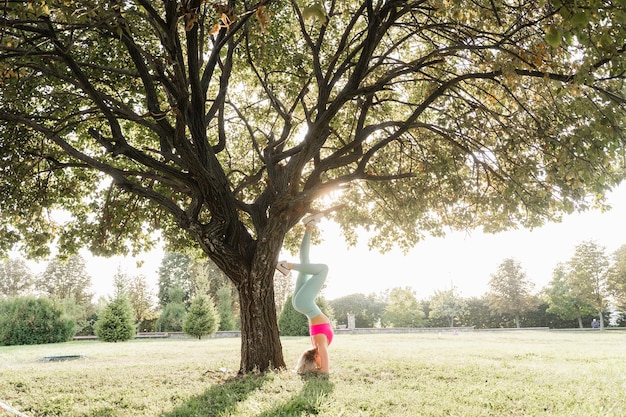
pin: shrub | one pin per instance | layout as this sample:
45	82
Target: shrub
202	318
30	320
115	322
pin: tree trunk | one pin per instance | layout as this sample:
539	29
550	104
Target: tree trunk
260	340
251	268
580	321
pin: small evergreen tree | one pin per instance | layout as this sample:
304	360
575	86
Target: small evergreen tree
116	322
202	318
30	320
225	309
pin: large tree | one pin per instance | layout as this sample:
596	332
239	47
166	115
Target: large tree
222	124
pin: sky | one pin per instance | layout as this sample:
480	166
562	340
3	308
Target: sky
464	260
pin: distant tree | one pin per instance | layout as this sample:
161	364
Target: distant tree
116	322
446	304
30	320
367	310
402	309
617	277
141	299
588	276
510	291
66	278
173	315
202	318
175	272
562	300
16	279
225	309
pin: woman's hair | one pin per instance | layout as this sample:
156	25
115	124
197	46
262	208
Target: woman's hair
306	363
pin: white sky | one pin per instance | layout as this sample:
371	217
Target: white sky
460	259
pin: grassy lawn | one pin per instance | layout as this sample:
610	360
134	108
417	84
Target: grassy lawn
512	373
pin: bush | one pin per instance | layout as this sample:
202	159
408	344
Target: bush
30	321
115	322
202	318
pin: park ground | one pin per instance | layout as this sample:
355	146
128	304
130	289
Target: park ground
505	373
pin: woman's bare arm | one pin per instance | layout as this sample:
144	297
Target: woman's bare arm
321	343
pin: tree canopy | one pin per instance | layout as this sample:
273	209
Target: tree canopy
222	124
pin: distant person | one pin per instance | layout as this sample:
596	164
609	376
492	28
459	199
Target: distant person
595	324
311	278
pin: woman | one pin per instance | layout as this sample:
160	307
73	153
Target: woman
310	280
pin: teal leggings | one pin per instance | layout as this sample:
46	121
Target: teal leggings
310	280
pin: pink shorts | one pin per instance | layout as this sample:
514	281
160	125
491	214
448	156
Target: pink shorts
322	328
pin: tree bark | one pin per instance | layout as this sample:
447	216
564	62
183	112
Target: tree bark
260	339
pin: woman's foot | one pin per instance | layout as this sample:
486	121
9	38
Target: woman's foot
283	267
312	220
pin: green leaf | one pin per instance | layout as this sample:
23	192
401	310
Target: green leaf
580	19
553	36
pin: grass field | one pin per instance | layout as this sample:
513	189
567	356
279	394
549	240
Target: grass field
511	373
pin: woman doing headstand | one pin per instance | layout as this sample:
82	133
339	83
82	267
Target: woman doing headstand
310	280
